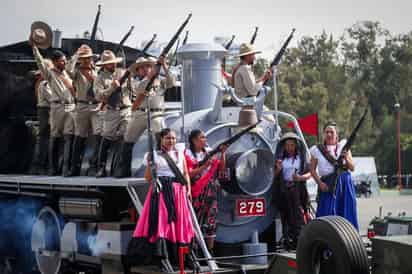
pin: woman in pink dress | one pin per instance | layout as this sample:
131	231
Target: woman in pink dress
165	223
204	185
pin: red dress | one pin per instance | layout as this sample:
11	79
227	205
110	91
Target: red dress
204	189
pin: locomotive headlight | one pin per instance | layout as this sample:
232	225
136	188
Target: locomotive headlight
252	170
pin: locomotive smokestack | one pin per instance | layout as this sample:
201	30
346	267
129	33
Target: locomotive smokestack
201	67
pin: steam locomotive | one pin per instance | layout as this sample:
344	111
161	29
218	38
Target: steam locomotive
69	224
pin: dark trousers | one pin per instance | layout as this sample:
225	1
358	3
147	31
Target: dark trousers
43	139
291	214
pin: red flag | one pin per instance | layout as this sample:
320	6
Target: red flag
308	124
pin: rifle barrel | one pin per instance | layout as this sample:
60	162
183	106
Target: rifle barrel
95	25
124	39
166	50
252	41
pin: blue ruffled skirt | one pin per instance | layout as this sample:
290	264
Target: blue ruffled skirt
343	204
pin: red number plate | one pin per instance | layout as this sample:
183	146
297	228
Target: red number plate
250	207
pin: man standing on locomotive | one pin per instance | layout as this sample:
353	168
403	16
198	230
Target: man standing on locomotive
43	94
86	116
62	98
244	80
343	201
138	122
117	102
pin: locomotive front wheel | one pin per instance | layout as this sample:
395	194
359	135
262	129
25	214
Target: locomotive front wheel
45	241
331	245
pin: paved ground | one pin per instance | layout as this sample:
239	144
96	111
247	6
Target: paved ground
390	201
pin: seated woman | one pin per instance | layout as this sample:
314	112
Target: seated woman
165	222
343	201
290	197
204	186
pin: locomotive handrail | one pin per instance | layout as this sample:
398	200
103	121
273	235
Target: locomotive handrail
295	123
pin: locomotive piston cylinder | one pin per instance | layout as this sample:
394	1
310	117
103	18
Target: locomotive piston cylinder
89	208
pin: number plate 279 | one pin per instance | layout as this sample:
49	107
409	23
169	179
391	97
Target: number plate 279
250	207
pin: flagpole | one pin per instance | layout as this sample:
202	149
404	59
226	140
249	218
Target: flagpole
317	127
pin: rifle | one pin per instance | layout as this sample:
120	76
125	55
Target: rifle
148	45
151	159
252	41
280	53
227	47
174	57
94	30
115	96
339	166
185	39
124	39
226	142
165	51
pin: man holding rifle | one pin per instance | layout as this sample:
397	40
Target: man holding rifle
138	123
244	80
109	90
86	115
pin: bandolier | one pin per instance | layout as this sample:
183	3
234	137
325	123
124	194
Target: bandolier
117	103
87	117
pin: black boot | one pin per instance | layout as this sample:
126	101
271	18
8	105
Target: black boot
101	163
35	165
43	145
67	155
124	166
77	155
95	144
54	144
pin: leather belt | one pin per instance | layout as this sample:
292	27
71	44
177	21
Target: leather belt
88	102
152	109
117	108
61	102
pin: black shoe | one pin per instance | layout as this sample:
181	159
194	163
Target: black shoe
124	166
103	152
77	155
54	156
67	155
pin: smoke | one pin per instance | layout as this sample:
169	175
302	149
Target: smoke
17	216
97	247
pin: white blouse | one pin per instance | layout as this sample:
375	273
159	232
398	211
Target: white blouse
162	167
290	166
324	167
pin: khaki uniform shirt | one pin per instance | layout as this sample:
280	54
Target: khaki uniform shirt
80	83
43	94
159	87
245	83
103	87
60	92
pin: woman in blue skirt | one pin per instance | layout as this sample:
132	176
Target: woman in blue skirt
323	158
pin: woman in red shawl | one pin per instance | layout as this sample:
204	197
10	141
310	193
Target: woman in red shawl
204	185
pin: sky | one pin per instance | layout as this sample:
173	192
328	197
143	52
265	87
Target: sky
211	18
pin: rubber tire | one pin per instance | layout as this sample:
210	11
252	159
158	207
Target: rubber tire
342	239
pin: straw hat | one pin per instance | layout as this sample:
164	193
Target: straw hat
246	49
142	61
108	57
41	35
290	135
85	51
